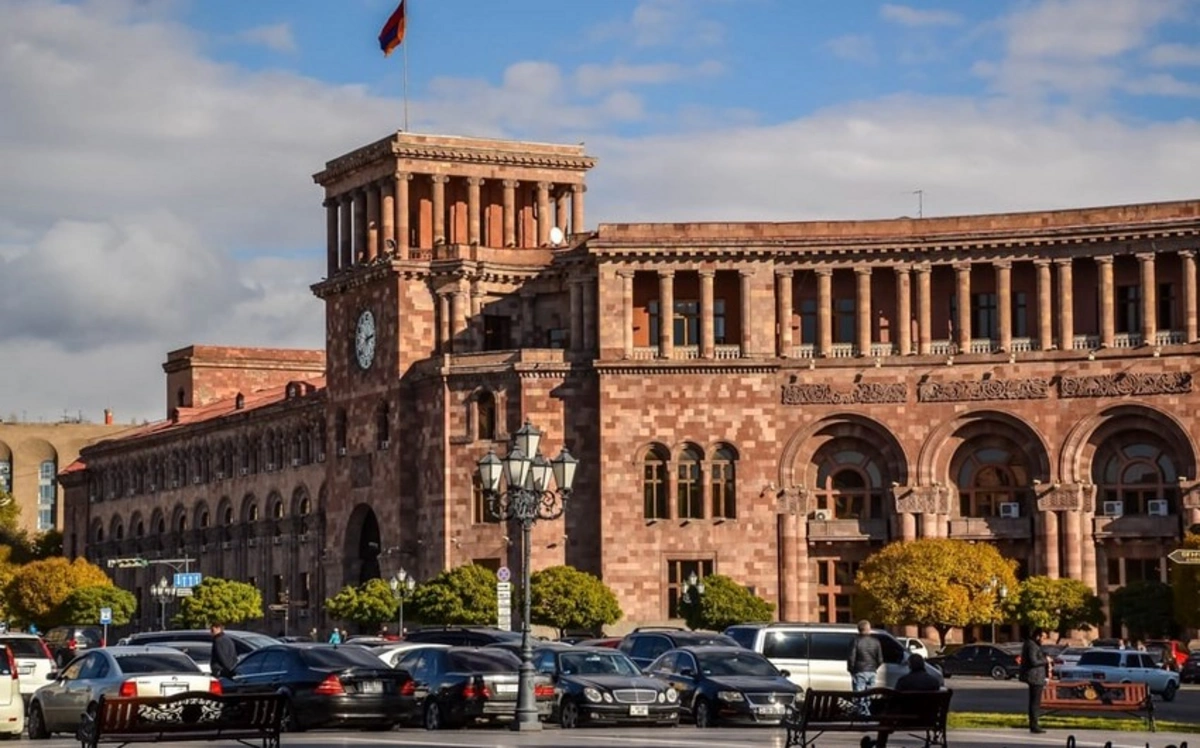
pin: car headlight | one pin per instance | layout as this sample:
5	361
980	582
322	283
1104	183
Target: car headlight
661	697
672	696
608	697
730	696
592	695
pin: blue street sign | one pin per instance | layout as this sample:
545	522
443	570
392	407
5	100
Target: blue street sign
105	616
188	580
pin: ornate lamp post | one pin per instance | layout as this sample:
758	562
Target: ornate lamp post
528	496
402	585
162	594
1001	592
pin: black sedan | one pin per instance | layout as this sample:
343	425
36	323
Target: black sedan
998	661
457	685
725	684
600	685
1190	672
327	685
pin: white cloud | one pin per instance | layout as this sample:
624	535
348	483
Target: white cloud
906	15
854	48
1172	55
657	23
275	37
592	79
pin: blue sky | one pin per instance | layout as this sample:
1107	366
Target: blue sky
158	154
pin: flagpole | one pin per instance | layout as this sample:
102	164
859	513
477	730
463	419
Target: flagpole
404	44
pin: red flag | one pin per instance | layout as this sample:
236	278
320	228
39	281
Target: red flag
392	33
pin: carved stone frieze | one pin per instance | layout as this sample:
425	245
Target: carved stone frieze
1067	497
1189	494
1126	383
791	500
856	394
1034	388
920	499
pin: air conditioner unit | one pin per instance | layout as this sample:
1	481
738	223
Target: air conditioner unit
341	451
384	444
220	475
320	457
153	488
823	514
244	471
129	492
1157	508
1114	508
226	546
278	540
1010	509
295	462
270	466
303	537
253	543
174	484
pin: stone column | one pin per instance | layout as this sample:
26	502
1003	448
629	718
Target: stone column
459	300
443	323
904	342
862	309
627	312
962	272
1149	299
924	310
372	191
783	314
591	319
347	237
544	218
528	297
439	208
789	573
908	526
1087	543
1050	534
666	313
929	525
707	330
1108	323
1045	306
403	228
562	209
575	298
510	212
1066	305
577	222
476	323
387	216
746	277
360	225
1072	541
331	237
824	311
473	218
1004	302
1187	261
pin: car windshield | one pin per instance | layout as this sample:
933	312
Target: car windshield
483	661
157	662
340	657
735	663
593	663
258	641
25	647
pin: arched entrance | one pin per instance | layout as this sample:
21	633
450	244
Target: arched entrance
362	547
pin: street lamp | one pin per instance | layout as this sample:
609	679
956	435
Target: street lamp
528	496
402	584
1001	592
693	583
162	593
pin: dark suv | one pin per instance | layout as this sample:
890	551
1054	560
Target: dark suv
65	642
461	636
644	645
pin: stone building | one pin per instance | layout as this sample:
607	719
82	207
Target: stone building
821	388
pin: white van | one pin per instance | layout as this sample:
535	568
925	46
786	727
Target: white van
815	654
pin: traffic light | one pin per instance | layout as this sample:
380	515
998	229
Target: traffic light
127	563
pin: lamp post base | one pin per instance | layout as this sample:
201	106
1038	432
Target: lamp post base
520	726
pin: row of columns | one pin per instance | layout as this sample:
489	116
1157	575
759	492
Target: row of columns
460	311
666	305
361	221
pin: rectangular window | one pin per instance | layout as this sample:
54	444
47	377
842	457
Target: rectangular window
1166	306
1129	309
654	320
984	323
47	496
845	322
277	588
722	479
556	337
491	564
835	588
305	587
1020	315
687	322
480	511
497	332
719	329
678	570
654	487
808	321
688	491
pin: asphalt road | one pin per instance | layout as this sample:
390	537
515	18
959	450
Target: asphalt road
1008	697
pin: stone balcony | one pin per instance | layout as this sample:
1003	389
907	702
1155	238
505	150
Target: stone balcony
1137	526
847	529
991	528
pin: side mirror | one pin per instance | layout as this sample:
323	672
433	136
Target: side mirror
786	673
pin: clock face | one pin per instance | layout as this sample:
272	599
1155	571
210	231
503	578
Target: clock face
364	339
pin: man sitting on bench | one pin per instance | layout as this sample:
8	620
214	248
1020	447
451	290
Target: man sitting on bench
917	679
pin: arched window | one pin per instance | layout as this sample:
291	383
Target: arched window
203	519
654	483
139	530
1141	476
161	528
47	495
119	533
989	479
722	477
383	427
99	534
485	410
252	513
850	485
181	524
689	492
305	507
227	520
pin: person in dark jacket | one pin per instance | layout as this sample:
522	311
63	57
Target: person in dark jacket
918	678
1034	672
224	654
866	655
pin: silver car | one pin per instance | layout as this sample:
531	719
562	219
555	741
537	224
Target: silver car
115	672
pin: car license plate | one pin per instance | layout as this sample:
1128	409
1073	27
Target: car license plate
171	689
638	710
506	688
773	709
370	686
25	670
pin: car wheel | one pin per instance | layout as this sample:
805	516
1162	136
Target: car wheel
433	716
37	723
1169	692
703	713
568	715
999	672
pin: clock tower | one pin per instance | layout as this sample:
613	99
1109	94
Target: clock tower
434	245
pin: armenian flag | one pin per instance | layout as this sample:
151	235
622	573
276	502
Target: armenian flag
393	31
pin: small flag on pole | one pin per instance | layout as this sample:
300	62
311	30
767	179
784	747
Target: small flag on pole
392	34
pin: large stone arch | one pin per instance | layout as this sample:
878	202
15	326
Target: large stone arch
942	446
796	462
1081	443
363	546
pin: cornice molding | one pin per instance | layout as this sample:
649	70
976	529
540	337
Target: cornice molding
390	148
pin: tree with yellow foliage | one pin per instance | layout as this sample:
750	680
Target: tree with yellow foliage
37	592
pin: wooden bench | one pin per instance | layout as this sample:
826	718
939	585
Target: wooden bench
1099	696
252	720
880	710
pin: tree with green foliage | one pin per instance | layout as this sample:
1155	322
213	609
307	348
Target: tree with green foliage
723	603
938	582
46	545
34	594
1059	605
566	598
217	600
368	604
82	606
1185	582
464	595
1146	609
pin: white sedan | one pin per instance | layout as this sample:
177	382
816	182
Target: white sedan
1123	666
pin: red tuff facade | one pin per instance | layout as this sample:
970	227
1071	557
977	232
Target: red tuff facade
819	389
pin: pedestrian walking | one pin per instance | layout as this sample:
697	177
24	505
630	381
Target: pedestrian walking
866	655
224	653
335	637
1034	672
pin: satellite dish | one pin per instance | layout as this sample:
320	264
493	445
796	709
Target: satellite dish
556	236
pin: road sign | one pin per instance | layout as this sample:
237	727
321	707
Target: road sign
504	574
183	591
188	580
278	608
504	603
1184	556
105	616
127	563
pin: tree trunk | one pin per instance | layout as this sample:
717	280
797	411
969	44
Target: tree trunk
942	630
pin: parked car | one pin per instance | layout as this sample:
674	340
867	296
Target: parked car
12	706
719	684
1190	672
1174	652
113	672
610	642
200	652
244	642
326	685
391	653
460	636
454	686
914	645
1069	656
644	645
34	662
67	641
1124	666
997	661
599	685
